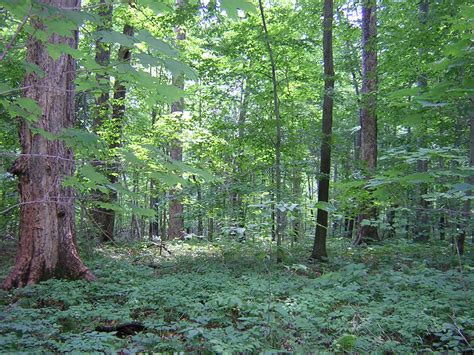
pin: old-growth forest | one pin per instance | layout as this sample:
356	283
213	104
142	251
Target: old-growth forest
275	176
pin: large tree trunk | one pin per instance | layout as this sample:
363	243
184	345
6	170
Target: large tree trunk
319	246
276	105
176	223
368	118
47	245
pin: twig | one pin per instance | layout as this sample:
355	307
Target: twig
12	41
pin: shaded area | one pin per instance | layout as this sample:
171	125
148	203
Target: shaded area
212	297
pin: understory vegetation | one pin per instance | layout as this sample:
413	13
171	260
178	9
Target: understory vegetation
214	296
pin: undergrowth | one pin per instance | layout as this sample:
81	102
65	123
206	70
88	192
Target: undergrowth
397	297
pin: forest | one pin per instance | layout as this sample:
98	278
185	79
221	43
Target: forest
236	176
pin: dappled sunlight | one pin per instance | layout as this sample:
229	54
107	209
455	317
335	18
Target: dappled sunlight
223	296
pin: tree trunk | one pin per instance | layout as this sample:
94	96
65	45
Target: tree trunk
118	116
210	229
47	246
442	226
391	222
153	228
238	213
276	105
319	246
298	219
467	216
422	230
176	223
200	226
368	118
350	227
163	223
102	216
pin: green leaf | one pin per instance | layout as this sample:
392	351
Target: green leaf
131	158
56	50
5	88
24	107
325	206
116	37
179	68
110	206
405	92
464	187
168	179
144	212
431	104
158	6
33	68
231	7
156	44
93	175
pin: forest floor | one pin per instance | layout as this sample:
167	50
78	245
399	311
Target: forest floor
397	296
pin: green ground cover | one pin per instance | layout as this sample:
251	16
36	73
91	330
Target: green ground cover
399	296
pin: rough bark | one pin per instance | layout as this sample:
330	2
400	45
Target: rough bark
276	107
368	118
47	245
319	246
176	222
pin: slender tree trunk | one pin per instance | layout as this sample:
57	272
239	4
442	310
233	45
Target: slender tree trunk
153	228
467	215
118	116
102	216
164	223
200	227
135	224
391	221
210	229
102	57
442	226
357	136
350	227
319	246
422	229
297	192
368	142
238	215
276	105
176	224
47	246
